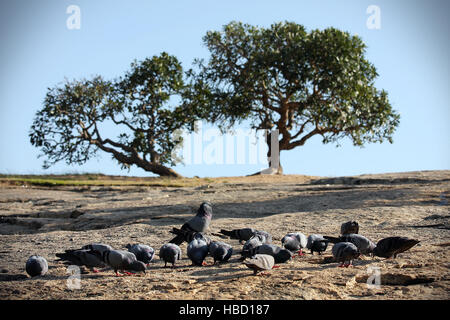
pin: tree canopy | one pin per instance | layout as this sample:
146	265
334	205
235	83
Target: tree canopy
301	83
145	104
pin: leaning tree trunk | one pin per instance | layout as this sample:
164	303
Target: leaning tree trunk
161	170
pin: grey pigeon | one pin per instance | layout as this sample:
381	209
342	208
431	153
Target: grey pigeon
279	254
99	247
345	251
197	250
268	236
349	227
364	245
36	266
252	243
243	234
170	252
317	243
142	252
220	251
259	262
199	223
123	260
82	257
188	235
391	246
294	242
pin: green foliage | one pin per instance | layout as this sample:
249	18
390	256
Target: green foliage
141	104
301	83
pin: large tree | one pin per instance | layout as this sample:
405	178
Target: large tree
143	107
302	83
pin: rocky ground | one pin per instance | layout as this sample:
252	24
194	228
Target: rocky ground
46	220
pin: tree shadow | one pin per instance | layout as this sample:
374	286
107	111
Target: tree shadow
304	200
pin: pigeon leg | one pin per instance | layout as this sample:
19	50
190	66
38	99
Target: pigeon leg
341	265
128	273
95	270
275	267
204	263
300	253
118	274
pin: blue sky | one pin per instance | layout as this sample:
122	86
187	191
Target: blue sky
410	52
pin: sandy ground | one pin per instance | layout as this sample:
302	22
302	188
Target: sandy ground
414	204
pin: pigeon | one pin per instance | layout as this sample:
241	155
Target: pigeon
252	243
267	236
259	262
364	245
391	246
123	260
36	266
82	257
188	235
170	252
279	254
199	223
295	241
197	250
317	242
220	251
349	227
142	252
240	234
99	247
345	251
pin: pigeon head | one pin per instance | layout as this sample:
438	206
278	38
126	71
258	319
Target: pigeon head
137	266
205	210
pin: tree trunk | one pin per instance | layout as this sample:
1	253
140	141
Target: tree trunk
159	169
274	168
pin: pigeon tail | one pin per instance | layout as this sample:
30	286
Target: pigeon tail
332	239
230	234
177	240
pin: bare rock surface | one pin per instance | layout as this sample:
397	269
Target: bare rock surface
46	220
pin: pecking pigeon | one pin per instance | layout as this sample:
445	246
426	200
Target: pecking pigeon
279	254
349	227
142	252
199	223
82	257
170	252
220	251
364	245
316	242
36	266
252	243
259	262
267	236
345	251
123	260
391	246
197	250
294	242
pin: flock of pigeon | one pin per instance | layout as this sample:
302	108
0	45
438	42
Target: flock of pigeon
258	253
